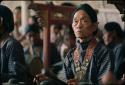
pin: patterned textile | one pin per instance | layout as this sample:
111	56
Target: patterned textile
81	68
99	64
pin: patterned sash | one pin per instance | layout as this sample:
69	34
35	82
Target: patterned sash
81	69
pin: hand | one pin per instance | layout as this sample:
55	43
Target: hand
123	77
39	78
72	82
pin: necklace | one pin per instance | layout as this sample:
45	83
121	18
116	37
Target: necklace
81	69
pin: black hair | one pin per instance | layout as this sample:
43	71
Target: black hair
89	10
114	26
32	28
7	15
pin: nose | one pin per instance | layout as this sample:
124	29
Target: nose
79	24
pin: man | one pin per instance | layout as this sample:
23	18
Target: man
113	39
12	65
113	34
89	62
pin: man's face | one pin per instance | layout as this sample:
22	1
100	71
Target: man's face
82	25
107	37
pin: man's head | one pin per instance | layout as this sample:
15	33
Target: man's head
112	31
6	20
84	21
69	37
33	33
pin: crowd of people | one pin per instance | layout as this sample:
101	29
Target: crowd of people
78	53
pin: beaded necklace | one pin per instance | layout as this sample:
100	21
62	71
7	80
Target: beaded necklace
81	69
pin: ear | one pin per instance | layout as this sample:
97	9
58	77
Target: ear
95	27
96	24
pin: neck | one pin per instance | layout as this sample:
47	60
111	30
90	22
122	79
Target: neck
84	39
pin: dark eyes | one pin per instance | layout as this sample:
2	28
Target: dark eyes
83	21
75	21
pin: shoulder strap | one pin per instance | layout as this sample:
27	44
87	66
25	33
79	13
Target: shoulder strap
90	49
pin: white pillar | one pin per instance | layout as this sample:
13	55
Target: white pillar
25	14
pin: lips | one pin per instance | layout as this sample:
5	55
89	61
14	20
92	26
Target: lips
79	31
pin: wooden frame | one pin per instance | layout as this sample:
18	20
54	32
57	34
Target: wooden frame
51	14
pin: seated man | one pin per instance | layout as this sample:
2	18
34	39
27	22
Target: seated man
12	64
113	39
89	61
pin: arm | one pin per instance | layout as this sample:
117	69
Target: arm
106	67
16	63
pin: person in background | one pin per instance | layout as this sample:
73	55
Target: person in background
12	63
19	31
68	42
55	33
113	34
114	40
17	16
89	61
56	37
17	23
32	22
34	48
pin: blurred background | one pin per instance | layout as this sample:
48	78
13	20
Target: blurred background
44	28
